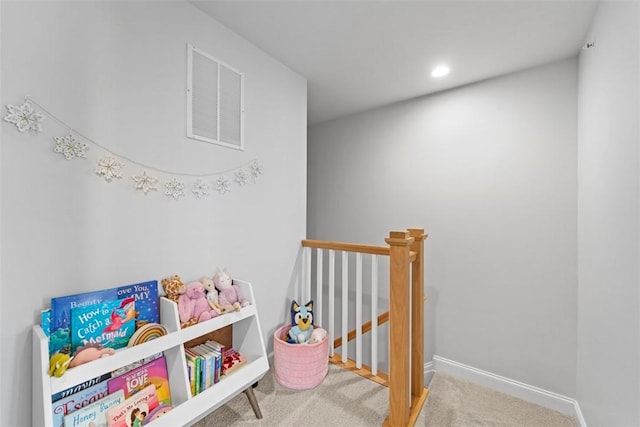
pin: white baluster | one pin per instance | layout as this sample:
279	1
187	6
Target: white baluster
374	314
359	310
332	299
306	289
345	304
317	309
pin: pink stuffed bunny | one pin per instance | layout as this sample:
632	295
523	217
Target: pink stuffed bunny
193	304
230	297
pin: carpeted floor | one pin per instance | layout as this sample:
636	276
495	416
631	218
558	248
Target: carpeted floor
454	402
345	399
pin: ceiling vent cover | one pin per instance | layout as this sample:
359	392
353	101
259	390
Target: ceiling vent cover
215	106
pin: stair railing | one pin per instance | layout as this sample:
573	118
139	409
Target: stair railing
405	250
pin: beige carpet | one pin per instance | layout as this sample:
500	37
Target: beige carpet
345	399
457	403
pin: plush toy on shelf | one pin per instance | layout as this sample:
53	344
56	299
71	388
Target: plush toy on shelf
88	353
231	297
173	287
212	295
301	323
193	304
58	364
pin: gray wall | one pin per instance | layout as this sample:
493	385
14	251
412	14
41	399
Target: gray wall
116	72
490	171
609	185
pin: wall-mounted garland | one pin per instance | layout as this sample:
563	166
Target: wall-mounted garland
111	166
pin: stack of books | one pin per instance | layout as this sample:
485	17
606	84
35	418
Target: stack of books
208	362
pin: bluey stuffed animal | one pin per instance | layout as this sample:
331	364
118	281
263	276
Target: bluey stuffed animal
301	322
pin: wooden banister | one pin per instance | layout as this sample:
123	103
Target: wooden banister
406	297
346	247
351	247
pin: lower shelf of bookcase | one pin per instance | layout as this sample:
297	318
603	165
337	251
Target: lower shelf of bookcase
199	406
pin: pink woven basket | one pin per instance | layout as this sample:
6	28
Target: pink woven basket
299	366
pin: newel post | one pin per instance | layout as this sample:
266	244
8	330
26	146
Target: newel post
417	312
399	326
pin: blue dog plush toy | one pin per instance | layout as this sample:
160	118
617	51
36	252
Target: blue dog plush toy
301	322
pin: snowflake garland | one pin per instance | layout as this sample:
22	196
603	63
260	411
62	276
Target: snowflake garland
174	188
109	168
145	182
70	147
24	117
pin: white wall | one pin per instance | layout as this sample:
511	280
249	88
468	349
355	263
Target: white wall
609	184
116	72
490	171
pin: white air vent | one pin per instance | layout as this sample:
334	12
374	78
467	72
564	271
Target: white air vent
214	100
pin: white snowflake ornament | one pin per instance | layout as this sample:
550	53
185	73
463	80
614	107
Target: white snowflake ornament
222	185
200	188
174	188
256	169
242	178
24	117
145	182
109	168
70	147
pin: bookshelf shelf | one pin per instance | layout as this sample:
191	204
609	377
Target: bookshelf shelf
187	409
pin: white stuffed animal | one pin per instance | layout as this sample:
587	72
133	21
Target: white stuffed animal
317	335
212	295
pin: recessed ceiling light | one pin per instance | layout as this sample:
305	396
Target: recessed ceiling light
440	71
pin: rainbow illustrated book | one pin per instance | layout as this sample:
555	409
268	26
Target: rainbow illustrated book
133	411
94	415
151	373
74	402
146	304
110	324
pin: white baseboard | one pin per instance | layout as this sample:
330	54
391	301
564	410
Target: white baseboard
548	399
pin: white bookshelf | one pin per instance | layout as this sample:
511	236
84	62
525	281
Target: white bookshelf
187	409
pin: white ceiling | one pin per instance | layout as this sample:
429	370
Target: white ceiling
358	55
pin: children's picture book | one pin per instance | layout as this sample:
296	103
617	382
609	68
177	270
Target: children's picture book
94	415
79	387
195	370
151	373
73	402
135	365
45	321
110	324
133	411
217	353
201	367
146	298
232	360
60	336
